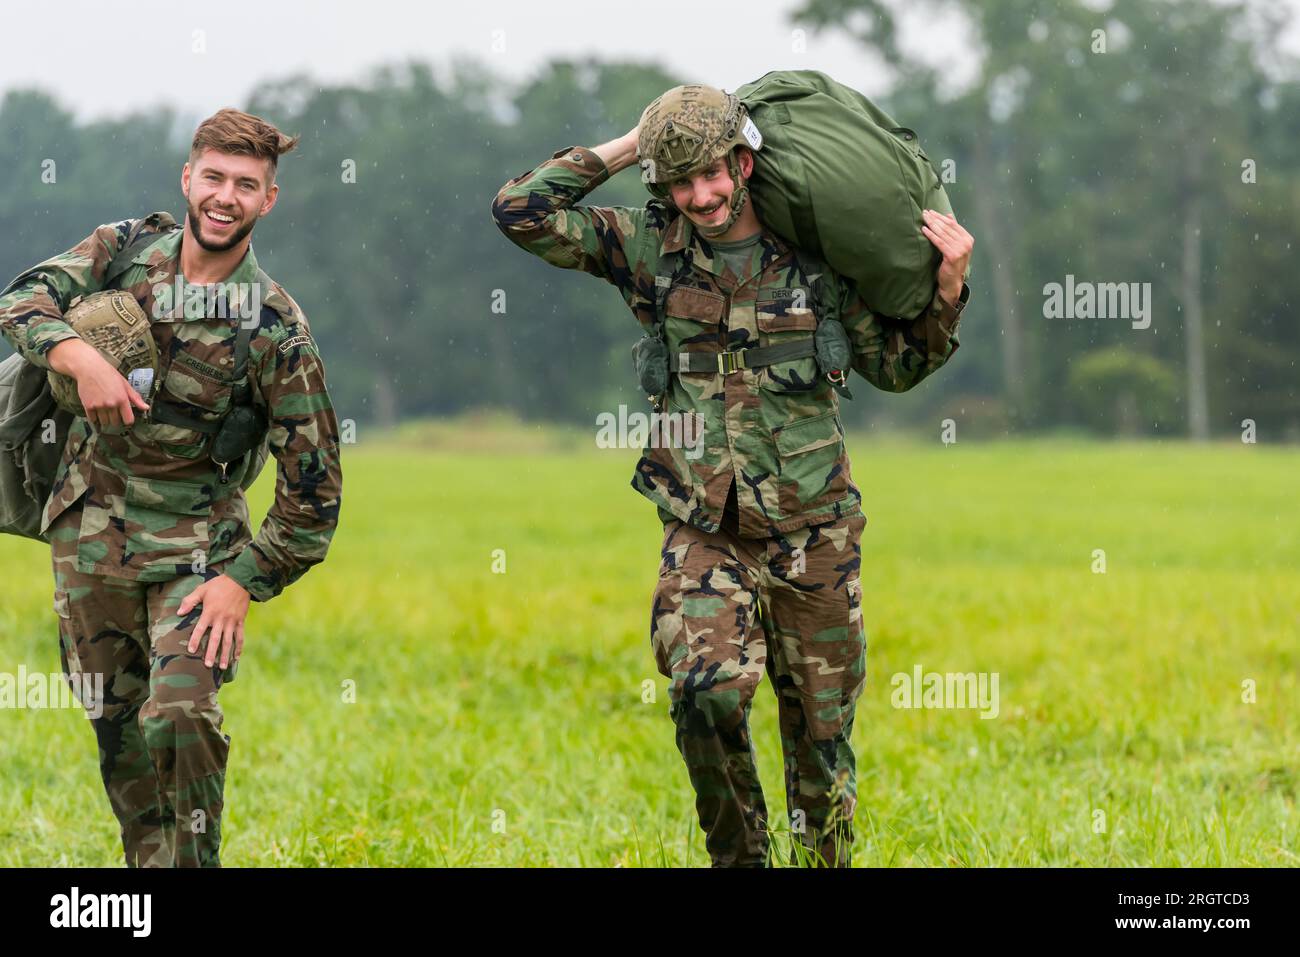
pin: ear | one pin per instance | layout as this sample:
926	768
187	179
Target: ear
185	180
271	195
746	158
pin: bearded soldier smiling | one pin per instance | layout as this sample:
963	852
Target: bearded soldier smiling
154	560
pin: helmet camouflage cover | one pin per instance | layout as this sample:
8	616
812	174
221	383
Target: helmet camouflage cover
113	323
685	130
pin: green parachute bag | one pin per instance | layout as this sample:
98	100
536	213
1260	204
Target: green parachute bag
837	176
33	431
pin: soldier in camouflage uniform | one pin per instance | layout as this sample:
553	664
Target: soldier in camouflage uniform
761	563
154	560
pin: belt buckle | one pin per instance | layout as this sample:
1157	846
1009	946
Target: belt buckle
729	362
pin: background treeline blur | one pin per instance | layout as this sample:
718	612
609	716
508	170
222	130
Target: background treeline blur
1172	158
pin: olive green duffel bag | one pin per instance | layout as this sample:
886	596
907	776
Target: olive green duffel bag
839	177
33	431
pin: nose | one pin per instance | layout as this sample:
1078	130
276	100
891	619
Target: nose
226	194
701	196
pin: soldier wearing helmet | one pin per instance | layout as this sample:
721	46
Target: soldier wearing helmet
760	564
688	130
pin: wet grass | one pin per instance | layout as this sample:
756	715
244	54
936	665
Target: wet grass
501	717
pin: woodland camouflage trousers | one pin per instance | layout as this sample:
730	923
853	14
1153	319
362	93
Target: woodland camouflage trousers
728	608
162	754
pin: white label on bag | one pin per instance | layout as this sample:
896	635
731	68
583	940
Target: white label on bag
751	133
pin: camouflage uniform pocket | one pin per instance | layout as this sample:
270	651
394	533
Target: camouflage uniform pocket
857	663
165	523
811	469
693	319
782	316
175	440
785	310
198	384
805	435
665	614
196	389
68	658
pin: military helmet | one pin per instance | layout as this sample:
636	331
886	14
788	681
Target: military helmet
685	130
113	323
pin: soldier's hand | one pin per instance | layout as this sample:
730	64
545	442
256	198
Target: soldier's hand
952	240
106	395
225	605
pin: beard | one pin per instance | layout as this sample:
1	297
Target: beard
194	215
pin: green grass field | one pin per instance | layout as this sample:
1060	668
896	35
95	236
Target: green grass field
499	718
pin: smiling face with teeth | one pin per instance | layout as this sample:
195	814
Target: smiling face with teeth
226	193
705	196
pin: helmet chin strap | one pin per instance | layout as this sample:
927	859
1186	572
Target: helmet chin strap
739	195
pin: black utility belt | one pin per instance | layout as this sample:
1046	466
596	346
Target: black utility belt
728	362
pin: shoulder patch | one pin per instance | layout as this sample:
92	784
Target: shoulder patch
295	340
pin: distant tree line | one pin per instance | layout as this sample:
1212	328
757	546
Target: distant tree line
1159	151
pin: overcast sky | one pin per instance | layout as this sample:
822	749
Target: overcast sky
100	60
99	48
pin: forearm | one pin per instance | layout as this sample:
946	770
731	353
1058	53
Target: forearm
542	213
290	540
31	320
895	355
533	208
936	327
303	435
70	356
617	155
